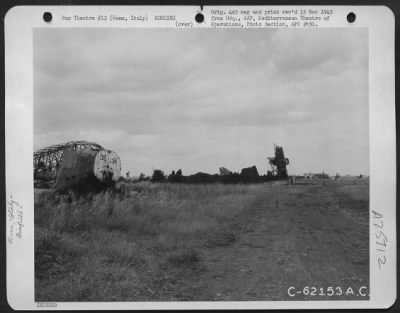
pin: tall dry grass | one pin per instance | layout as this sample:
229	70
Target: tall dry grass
143	243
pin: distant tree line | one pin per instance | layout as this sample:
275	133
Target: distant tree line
247	175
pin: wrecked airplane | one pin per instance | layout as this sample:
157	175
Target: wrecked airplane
79	164
278	164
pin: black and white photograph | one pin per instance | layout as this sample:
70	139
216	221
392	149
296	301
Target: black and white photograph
201	164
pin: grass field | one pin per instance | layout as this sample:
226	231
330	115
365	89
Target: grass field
156	242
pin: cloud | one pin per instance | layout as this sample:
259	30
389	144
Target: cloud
200	99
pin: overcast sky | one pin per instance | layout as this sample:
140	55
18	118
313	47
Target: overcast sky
202	99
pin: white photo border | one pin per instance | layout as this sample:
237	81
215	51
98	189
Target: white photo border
19	24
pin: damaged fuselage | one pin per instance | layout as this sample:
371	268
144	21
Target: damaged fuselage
79	164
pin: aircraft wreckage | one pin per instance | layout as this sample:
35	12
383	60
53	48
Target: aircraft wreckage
278	164
79	164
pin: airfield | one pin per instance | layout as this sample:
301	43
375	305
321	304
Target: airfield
209	242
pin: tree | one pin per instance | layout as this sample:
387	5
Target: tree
171	177
178	176
158	176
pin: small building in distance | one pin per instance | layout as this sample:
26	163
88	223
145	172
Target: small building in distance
316	175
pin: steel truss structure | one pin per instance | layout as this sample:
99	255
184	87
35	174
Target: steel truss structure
47	161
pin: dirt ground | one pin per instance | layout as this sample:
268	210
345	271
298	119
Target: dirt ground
307	237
